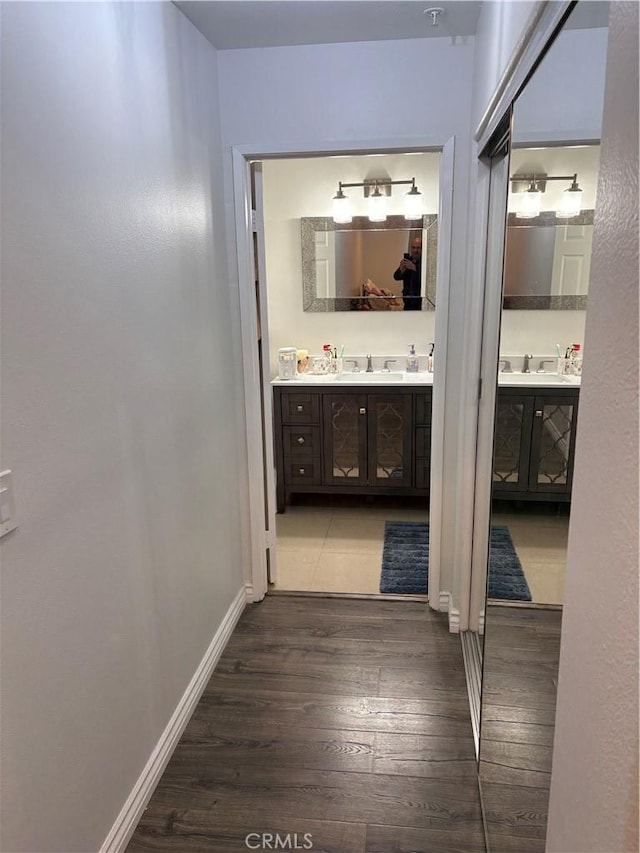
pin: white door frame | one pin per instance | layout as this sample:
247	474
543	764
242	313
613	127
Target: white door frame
241	156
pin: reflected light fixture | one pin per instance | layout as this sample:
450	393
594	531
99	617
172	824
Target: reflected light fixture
531	202
570	205
376	190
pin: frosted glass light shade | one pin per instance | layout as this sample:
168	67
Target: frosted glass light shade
530	204
413	204
341	208
571	203
377	207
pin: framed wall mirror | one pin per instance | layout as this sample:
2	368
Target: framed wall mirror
350	267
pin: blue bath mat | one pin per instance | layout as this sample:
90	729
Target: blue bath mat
405	562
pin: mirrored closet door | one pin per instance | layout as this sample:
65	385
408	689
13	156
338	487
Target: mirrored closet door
551	200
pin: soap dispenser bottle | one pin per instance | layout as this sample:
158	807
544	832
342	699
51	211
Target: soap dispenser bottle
430	359
412	360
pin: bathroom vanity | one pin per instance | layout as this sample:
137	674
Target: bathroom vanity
360	439
534	440
372	435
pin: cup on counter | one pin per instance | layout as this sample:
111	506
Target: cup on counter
320	364
303	360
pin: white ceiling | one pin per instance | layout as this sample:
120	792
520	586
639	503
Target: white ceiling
230	24
271	23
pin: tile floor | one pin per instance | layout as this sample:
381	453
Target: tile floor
337	547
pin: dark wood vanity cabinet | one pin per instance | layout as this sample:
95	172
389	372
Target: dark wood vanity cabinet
534	443
357	441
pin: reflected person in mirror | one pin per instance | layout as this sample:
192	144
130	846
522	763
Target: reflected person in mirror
410	273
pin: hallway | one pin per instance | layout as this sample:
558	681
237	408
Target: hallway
345	719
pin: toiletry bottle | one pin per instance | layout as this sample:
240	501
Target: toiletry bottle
326	352
576	360
412	360
430	359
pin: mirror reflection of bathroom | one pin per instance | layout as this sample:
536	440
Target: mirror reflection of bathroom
547	261
553	172
352	443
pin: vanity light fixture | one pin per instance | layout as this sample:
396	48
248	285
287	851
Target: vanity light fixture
376	190
341	207
530	207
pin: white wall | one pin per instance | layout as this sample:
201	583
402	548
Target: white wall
574	68
594	784
300	187
118	422
499	29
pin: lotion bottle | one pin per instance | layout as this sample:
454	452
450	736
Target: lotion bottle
430	359
412	360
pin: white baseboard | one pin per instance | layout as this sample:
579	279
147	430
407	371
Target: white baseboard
454	618
126	822
250	594
446	606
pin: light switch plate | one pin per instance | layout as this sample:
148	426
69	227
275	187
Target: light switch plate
7	504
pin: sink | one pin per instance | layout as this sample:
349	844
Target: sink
375	377
533	379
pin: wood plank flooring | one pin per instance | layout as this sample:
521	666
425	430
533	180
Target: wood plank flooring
345	719
521	654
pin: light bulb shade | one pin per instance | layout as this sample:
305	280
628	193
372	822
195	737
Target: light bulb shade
341	208
377	207
530	204
571	203
413	204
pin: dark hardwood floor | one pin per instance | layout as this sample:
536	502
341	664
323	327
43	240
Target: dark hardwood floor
521	654
344	719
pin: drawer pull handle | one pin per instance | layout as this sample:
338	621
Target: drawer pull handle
300	408
538	413
300	470
363	411
300	440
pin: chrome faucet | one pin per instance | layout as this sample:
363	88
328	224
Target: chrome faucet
544	361
387	362
354	362
369	365
525	366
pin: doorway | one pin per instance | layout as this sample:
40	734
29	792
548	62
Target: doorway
333	542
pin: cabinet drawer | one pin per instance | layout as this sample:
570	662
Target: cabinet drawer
300	408
423	473
301	441
423	441
423	409
298	472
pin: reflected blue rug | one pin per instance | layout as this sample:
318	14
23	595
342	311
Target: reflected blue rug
405	562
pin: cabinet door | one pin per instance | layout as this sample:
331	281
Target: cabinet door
389	450
345	439
512	442
554	420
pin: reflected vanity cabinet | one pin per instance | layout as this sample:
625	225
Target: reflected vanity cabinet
352	441
534	443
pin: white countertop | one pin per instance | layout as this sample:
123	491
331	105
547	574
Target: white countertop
395	378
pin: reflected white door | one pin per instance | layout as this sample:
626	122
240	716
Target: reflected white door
571	260
325	265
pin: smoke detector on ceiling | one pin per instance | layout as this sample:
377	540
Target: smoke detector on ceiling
434	12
